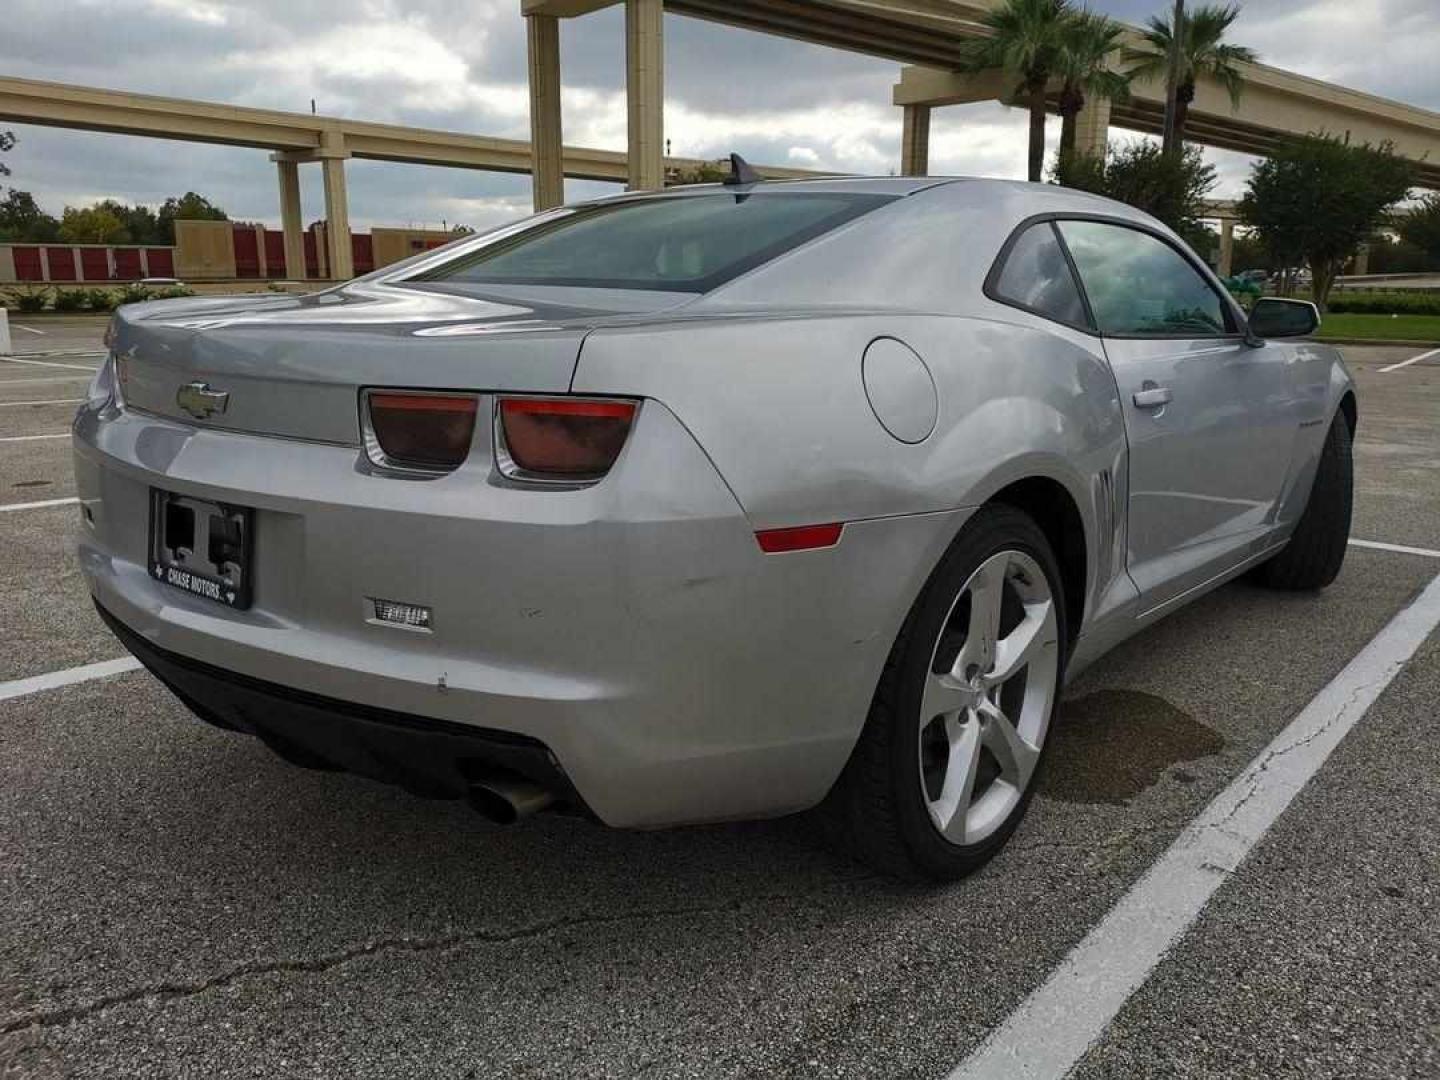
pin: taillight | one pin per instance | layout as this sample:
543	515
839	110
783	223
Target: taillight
561	439
420	431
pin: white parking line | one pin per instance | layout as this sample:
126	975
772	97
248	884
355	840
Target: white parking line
47	363
1401	549
41	379
50	401
54	679
29	329
32	438
1412	360
38	505
1055	1025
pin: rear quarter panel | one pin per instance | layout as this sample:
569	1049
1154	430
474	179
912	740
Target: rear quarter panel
779	405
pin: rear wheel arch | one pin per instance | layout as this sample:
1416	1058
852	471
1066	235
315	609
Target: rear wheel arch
1350	411
1051	506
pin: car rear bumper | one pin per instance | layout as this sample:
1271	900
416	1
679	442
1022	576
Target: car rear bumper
427	757
634	630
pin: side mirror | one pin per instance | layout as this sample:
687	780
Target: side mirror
1273	317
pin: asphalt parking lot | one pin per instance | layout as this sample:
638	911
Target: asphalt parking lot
176	901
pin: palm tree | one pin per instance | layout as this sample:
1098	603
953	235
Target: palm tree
1203	51
1084	65
1025	40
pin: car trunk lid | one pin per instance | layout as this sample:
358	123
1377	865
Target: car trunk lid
293	366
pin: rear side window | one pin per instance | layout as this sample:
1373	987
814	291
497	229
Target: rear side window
1140	286
684	244
1037	277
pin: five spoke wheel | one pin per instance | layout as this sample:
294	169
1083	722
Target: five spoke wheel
987	697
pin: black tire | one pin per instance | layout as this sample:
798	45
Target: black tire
876	811
1316	551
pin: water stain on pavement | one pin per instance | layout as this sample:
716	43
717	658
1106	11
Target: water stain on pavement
1109	746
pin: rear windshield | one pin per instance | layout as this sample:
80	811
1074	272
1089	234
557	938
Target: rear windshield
686	244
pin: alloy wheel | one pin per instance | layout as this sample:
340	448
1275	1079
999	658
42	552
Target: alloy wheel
988	697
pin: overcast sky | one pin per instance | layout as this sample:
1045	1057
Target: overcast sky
460	65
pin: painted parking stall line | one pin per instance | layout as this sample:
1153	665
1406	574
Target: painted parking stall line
1054	1027
50	363
12	507
53	680
1399	549
1412	360
46	401
33	438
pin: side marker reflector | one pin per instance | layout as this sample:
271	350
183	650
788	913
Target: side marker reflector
800	538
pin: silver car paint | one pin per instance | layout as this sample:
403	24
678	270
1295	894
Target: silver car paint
678	673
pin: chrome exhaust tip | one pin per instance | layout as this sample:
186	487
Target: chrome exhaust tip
505	800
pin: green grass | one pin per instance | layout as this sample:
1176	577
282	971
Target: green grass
1396	327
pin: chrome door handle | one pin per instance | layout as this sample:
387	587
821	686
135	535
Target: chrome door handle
1152	397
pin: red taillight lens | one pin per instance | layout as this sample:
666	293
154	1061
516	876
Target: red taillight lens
564	438
423	431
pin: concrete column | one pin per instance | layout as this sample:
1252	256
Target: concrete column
546	145
1224	265
645	91
1092	128
322	252
1362	260
292	220
337	207
915	141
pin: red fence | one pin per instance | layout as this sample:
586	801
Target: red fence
54	262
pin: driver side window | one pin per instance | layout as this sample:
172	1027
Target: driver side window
1140	286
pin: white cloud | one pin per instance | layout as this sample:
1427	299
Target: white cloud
460	64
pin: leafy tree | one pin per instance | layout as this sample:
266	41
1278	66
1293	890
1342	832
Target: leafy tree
7	141
1138	172
139	220
1203	51
1026	41
22	219
91	225
1421	227
1084	66
1317	198
187	207
705	172
1391	256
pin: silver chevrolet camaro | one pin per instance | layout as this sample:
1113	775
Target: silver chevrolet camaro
726	502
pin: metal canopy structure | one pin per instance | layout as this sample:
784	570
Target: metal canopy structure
929	35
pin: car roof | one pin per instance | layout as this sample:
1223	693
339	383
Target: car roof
972	189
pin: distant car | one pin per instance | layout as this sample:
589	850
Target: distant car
1259	277
716	503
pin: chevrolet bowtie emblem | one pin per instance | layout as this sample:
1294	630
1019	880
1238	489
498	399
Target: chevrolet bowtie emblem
200	401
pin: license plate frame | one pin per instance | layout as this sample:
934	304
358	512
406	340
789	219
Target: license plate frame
202	547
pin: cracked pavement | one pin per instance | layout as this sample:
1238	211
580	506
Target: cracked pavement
176	901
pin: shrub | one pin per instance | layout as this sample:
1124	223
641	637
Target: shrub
29	298
174	292
70	299
1385	303
135	294
100	299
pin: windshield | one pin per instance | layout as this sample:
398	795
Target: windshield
687	244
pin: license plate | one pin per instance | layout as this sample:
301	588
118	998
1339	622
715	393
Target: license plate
201	547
